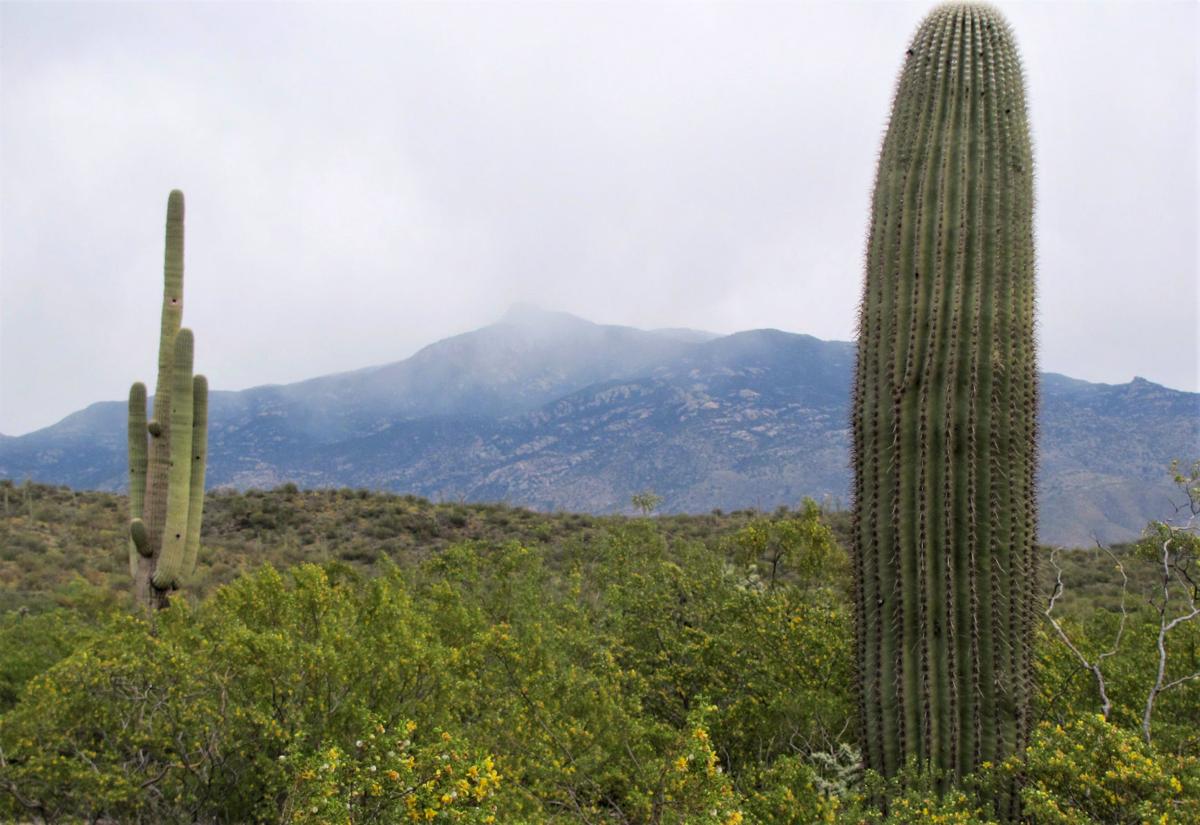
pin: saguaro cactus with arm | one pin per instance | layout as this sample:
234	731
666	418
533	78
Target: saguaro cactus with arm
167	454
945	400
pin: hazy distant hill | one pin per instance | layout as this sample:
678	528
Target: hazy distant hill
550	411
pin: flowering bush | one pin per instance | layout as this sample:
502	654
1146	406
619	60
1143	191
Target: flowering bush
1090	771
625	680
385	777
693	787
788	792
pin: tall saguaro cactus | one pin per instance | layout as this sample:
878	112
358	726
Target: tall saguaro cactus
167	454
945	399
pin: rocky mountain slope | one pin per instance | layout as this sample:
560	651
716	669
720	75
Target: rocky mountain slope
550	411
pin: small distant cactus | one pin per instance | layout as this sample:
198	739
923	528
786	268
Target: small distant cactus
167	455
945	401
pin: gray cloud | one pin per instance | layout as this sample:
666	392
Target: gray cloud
363	179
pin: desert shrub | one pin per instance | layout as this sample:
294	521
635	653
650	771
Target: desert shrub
627	674
1092	771
187	720
386	777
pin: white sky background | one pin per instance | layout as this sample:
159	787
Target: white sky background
362	180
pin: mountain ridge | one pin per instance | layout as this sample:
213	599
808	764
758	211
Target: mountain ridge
551	411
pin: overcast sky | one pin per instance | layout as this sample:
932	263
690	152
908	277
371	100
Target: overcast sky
364	179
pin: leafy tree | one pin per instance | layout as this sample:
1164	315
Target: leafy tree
800	542
646	502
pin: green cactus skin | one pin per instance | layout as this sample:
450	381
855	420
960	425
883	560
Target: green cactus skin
137	464
174	538
137	534
172	317
199	460
163	522
945	398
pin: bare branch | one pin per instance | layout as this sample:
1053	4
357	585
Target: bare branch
1174	566
1093	667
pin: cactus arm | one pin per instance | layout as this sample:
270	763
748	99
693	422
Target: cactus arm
137	449
137	462
174	538
138	537
199	457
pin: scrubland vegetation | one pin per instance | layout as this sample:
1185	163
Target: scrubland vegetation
357	657
347	657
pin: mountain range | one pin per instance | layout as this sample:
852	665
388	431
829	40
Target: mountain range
550	411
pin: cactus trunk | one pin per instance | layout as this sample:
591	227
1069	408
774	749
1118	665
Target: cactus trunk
174	538
165	508
944	410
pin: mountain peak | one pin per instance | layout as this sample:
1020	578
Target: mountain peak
524	313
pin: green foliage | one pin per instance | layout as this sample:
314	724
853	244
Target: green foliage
688	624
693	787
788	792
592	673
85	533
945	402
646	502
386	778
149	726
31	644
800	544
621	682
1066	690
1139	653
96	730
1090	771
1085	772
912	797
623	672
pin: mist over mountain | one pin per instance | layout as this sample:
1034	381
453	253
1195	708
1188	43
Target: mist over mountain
550	411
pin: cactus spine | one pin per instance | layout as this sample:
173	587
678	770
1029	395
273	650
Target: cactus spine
945	398
167	454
